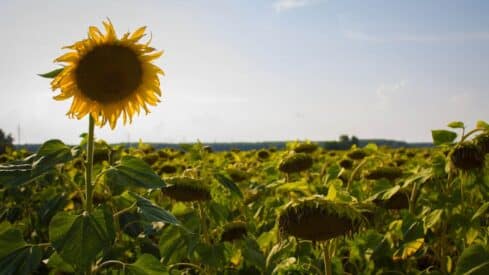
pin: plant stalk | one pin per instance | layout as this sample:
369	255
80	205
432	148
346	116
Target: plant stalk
328	269
89	166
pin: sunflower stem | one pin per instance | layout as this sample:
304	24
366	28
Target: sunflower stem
328	269
203	222
89	165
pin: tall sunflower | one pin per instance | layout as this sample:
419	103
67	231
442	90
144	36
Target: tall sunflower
109	76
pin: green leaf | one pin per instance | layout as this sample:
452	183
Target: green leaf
16	256
279	251
212	255
50	154
154	213
10	239
51	74
16	173
481	211
474	261
433	219
146	264
21	262
443	136
78	239
57	263
229	184
456	125
482	125
134	172
253	255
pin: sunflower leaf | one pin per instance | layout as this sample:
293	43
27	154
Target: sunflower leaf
229	184
51	74
474	260
146	264
135	172
456	125
443	137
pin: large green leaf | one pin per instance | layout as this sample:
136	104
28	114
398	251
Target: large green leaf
146	264
79	238
16	256
253	255
154	213
443	136
474	261
51	153
229	184
132	171
23	261
10	239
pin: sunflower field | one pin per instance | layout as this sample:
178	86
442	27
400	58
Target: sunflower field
302	210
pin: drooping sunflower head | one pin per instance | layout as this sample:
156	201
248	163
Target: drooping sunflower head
235	230
108	76
317	219
386	172
296	163
357	154
467	156
187	189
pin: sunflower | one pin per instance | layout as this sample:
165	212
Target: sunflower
109	76
317	219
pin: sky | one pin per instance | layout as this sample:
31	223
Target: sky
262	70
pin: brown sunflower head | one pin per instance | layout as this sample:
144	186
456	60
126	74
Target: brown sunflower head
186	189
317	219
234	231
467	156
296	163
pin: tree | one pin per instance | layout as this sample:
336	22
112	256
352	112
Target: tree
354	140
5	141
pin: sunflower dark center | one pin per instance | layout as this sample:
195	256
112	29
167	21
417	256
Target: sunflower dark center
109	73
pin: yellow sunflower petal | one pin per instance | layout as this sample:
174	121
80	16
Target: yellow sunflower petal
93	56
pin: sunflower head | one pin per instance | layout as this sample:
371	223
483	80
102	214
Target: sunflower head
237	175
234	231
296	163
399	200
317	219
263	154
346	163
187	189
467	156
386	172
357	154
167	169
108	76
306	148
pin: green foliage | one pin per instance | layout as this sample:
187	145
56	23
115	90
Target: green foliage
6	141
441	137
267	211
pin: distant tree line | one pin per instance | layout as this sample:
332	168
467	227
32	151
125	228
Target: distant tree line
344	143
5	141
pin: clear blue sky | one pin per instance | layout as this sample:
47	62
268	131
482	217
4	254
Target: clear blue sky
263	70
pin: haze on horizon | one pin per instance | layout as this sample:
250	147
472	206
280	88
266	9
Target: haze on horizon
263	70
